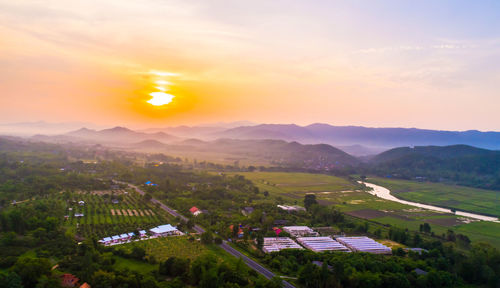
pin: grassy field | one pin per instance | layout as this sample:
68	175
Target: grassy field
165	247
135	265
458	197
350	198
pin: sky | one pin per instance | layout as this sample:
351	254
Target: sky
426	64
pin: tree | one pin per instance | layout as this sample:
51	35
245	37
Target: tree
309	200
206	238
138	253
30	269
11	280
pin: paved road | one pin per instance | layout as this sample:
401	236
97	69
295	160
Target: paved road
251	263
171	211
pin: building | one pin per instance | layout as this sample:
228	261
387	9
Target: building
280	222
275	244
81	203
195	211
149	183
297	231
79	215
294	208
320	244
69	280
85	285
247	211
165	230
124	237
364	244
106	240
143	234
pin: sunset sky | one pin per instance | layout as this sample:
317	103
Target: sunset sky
427	64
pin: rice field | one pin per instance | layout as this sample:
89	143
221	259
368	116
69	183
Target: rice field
350	198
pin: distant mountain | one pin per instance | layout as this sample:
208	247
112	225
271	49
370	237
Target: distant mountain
42	127
275	152
118	136
375	139
438	152
187	131
150	144
460	164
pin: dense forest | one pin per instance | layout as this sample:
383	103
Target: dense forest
458	164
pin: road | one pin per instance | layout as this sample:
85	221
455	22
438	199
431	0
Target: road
171	211
250	263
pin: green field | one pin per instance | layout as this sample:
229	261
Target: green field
165	247
458	197
104	218
350	198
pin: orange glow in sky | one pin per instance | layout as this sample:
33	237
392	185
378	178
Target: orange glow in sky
334	62
160	98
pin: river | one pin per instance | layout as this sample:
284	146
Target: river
385	193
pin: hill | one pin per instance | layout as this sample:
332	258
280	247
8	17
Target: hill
460	164
375	138
117	136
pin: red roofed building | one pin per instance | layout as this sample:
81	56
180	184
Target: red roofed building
85	285
69	280
195	211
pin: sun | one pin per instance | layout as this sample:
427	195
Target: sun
160	98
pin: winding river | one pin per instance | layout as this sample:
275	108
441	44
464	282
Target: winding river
385	193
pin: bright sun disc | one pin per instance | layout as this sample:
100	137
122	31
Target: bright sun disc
160	98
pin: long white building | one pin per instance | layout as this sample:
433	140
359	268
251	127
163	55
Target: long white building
275	244
320	244
364	244
297	231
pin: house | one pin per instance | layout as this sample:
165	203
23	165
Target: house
240	233
297	231
277	230
419	271
195	211
124	237
280	222
149	183
106	240
165	230
247	211
293	208
85	285
81	203
69	280
115	201
143	234
320	265
79	215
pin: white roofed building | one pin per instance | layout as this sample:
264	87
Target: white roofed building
320	244
297	231
275	244
364	244
165	230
